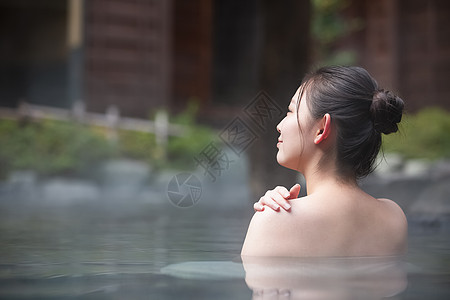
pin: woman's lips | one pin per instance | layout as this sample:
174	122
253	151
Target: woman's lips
279	143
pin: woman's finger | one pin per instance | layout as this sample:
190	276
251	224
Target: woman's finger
283	191
278	197
294	191
268	201
275	200
258	206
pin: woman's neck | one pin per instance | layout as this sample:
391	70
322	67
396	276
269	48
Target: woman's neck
327	181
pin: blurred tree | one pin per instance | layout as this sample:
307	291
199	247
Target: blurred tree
330	25
283	60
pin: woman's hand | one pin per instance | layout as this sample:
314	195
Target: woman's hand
277	198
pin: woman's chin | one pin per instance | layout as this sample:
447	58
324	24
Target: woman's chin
281	161
284	163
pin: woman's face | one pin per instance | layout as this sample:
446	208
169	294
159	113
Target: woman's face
293	143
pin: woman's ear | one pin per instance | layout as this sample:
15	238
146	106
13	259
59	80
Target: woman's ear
324	129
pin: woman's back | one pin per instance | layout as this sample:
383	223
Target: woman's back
350	224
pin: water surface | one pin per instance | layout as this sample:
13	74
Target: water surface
157	251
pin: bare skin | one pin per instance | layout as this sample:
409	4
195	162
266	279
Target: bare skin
349	223
336	218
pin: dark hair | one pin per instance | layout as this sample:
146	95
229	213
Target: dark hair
359	110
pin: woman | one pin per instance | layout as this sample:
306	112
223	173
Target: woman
332	135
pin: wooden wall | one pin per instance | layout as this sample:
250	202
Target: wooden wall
192	52
407	48
146	54
127	55
424	52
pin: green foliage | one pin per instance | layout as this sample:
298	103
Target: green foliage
138	145
50	147
55	148
182	150
423	135
329	26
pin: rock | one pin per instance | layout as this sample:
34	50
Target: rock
21	185
389	163
416	168
433	201
417	185
400	189
64	191
149	195
22	178
123	179
440	169
124	172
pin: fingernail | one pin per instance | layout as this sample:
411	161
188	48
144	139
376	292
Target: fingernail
277	207
287	206
286	195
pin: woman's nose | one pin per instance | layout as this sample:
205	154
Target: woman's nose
279	126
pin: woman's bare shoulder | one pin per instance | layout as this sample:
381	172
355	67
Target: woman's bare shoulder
271	233
398	217
393	208
389	202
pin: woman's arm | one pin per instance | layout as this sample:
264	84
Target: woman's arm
284	233
264	234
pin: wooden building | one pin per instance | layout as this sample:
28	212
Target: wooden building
127	55
405	44
144	54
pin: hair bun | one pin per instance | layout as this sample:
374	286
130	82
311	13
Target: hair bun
386	110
